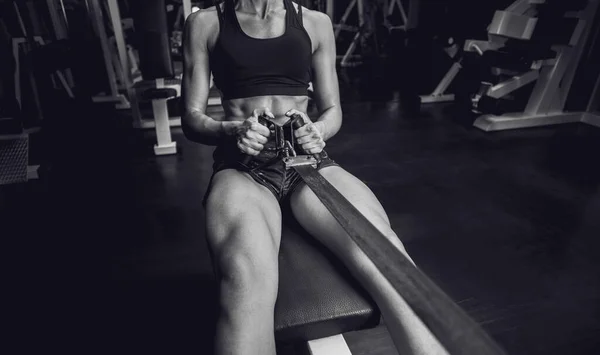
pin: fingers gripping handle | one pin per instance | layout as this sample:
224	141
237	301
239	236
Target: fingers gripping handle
263	120
297	122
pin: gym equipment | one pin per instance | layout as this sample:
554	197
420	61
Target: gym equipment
149	55
443	50
453	328
13	158
439	94
150	20
97	17
510	23
358	30
591	115
553	76
366	24
60	24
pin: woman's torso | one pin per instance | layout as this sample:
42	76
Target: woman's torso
255	34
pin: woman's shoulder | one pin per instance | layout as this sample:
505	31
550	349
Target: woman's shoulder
204	18
204	24
315	19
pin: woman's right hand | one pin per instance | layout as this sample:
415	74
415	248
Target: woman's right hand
251	135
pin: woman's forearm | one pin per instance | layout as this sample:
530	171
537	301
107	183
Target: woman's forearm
329	122
203	129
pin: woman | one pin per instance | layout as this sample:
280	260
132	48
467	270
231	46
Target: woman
263	55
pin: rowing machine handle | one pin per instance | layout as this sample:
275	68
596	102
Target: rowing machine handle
297	122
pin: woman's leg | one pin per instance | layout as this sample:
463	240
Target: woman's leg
244	232
408	332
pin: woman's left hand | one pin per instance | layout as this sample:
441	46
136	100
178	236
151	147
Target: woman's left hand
309	136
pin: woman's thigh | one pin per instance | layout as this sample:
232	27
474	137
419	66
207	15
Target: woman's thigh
317	220
243	225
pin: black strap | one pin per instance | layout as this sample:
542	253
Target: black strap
455	330
293	17
229	9
300	14
220	14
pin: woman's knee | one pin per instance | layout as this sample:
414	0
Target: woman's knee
249	275
233	195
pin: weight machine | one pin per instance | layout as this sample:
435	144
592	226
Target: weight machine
553	76
168	83
364	27
552	69
14	147
114	95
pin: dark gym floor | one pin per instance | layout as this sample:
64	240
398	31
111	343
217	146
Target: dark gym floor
108	252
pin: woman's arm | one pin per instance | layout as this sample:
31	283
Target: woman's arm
325	80
195	86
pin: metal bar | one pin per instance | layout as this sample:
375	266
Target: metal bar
402	12
591	119
64	13
595	98
447	79
96	13
428	99
350	50
361	13
519	6
164	144
413	14
481	46
345	27
345	16
585	22
21	24
17	76
65	84
490	123
300	160
16	43
330	8
59	30
546	88
499	90
115	17
149	123
334	345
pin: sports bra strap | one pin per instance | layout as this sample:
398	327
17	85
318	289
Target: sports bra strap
219	13
293	17
300	14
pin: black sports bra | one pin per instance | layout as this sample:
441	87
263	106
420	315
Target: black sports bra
245	66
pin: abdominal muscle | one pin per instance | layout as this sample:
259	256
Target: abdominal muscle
241	109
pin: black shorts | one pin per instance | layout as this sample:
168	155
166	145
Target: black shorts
267	169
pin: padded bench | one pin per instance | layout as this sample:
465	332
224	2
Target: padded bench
318	298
